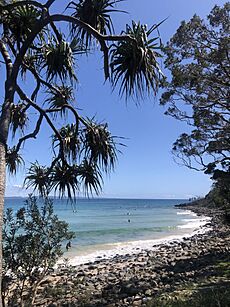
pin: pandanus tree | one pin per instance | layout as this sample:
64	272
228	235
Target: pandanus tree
34	42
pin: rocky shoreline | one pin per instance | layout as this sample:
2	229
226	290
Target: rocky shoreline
134	280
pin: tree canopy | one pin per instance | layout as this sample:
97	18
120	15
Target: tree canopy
198	90
34	44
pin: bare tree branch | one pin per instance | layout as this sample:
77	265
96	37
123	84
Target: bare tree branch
23	96
7	59
32	134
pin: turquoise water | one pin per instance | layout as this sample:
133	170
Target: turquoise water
98	222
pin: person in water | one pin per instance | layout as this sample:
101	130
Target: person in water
68	245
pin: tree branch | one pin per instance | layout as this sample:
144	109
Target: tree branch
23	96
90	30
32	134
49	3
59	17
7	59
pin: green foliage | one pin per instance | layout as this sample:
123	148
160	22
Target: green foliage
38	179
211	296
90	177
20	21
134	62
18	118
88	150
64	179
35	45
59	61
71	141
219	196
98	145
95	13
198	59
59	97
32	243
13	160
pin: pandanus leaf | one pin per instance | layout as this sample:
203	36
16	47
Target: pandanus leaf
18	118
64	180
134	63
99	145
90	177
70	141
38	179
21	20
59	97
95	13
13	160
59	61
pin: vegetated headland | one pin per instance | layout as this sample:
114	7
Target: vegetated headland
193	271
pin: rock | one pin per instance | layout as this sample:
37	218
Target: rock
148	292
130	289
137	303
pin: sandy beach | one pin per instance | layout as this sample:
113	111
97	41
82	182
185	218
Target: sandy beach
197	225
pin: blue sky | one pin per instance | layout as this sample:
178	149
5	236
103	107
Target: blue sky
145	168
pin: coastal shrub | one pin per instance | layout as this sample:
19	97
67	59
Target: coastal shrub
207	297
32	243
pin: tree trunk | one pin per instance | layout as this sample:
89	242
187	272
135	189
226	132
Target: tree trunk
2	194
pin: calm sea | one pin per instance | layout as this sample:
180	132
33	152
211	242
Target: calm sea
100	224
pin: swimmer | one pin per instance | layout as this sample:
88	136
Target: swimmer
68	245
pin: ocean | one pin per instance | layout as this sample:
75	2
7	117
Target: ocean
106	227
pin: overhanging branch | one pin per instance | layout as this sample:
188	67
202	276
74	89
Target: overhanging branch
42	112
30	135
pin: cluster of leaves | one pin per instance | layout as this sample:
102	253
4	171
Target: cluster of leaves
33	45
134	63
198	92
32	243
19	22
220	194
84	153
95	13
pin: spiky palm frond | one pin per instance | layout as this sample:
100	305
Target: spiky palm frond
59	61
134	62
90	177
21	21
58	99
96	13
64	180
70	140
13	160
29	61
18	118
99	145
38	179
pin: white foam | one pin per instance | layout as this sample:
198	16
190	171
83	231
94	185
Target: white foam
186	212
194	223
108	251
